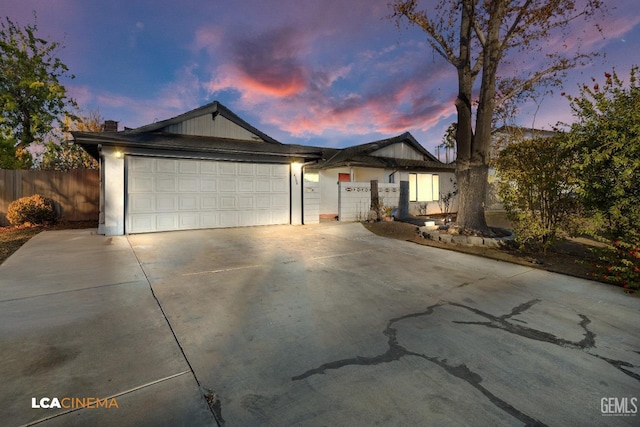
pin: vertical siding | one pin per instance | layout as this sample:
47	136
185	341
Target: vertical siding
311	202
205	126
398	151
76	192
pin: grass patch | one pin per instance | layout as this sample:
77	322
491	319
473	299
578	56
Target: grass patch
12	238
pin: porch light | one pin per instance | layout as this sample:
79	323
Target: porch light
117	154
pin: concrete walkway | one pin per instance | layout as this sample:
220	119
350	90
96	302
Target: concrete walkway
78	320
310	325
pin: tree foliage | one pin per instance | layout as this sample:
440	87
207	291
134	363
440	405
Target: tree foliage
478	38
61	153
448	143
31	95
536	187
606	138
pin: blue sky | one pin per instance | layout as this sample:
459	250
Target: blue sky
317	72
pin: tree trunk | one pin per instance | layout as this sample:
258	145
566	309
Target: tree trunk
472	168
472	186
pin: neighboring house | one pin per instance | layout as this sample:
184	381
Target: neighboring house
391	160
209	168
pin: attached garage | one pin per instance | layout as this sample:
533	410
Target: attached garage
207	168
176	194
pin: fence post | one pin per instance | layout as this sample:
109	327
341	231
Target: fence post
375	198
403	204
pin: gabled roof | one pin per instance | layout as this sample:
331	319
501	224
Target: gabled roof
171	142
215	108
160	138
361	155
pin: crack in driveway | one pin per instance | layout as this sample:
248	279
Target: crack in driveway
396	351
585	344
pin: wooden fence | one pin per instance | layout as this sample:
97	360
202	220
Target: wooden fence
76	193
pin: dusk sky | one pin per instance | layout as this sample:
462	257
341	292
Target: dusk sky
316	72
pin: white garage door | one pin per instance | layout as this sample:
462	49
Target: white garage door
175	194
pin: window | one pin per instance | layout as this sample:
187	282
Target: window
311	177
424	187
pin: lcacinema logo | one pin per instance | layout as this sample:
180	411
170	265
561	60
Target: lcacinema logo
73	403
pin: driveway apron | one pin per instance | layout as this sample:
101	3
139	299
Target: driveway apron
332	325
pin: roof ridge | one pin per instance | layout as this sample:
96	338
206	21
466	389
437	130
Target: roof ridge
214	108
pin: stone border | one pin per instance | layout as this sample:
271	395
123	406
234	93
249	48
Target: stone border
458	239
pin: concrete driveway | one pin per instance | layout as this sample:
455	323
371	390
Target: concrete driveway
310	325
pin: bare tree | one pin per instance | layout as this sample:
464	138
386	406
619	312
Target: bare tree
477	37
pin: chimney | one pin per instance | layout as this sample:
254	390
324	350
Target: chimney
110	126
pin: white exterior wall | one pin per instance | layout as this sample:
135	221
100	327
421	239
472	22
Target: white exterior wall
355	199
311	198
367	174
114	187
296	193
329	190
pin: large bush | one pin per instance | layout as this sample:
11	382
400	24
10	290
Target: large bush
536	187
34	209
606	141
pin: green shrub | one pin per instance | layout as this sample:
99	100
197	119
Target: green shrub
536	190
34	209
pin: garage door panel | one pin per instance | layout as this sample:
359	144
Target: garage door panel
245	202
166	165
188	167
280	201
208	185
229	219
228	185
263	170
143	223
166	184
279	186
247	217
141	164
173	194
227	202
209	220
263	201
141	184
208	202
263	186
189	203
247	169
142	203
245	185
280	171
279	217
166	203
208	168
188	184
228	168
166	221
189	221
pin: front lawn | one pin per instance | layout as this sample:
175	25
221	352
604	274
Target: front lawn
11	238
